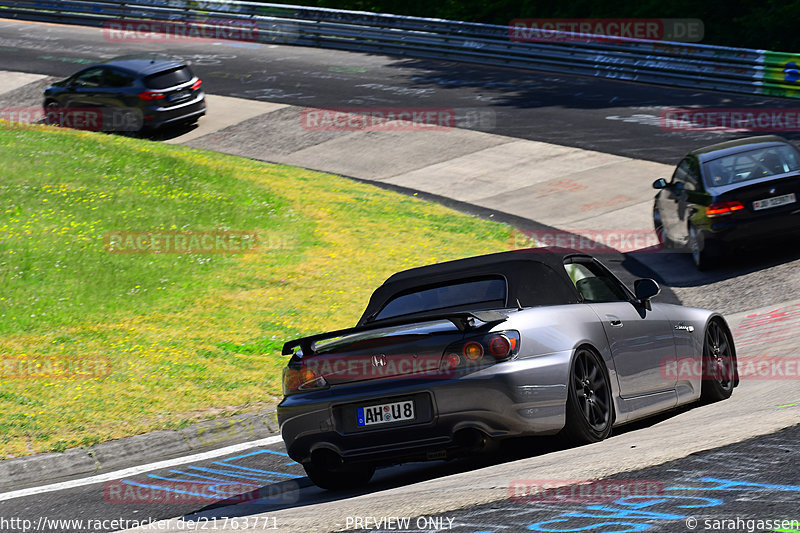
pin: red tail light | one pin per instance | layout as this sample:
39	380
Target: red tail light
451	360
723	208
499	346
302	379
197	84
151	95
487	349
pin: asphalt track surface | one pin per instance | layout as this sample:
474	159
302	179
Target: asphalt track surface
760	480
162	493
751	486
613	117
607	116
261	480
591	113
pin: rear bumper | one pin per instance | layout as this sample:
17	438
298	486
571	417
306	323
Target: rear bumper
517	398
162	116
783	228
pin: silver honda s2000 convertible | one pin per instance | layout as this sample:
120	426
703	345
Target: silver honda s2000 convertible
451	357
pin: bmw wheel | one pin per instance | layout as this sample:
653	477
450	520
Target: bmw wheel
590	412
700	250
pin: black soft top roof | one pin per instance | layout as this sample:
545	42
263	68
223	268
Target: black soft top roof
523	270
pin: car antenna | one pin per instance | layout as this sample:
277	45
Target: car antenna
519	305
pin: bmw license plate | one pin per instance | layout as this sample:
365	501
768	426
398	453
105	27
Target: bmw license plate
774	201
385	413
180	95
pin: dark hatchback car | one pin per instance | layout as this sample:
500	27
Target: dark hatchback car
730	195
128	93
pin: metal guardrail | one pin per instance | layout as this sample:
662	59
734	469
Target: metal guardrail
690	65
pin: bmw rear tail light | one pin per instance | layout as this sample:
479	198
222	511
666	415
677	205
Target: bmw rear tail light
484	350
197	84
301	379
719	209
151	95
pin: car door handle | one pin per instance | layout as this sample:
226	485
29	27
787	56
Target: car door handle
615	322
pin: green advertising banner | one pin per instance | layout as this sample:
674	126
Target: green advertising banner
781	75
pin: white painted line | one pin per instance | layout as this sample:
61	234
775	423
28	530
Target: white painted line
110	476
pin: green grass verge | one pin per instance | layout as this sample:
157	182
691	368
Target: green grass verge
181	337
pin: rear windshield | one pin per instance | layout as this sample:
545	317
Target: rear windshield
468	294
168	78
751	165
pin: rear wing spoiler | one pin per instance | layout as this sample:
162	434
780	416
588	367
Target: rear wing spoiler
463	320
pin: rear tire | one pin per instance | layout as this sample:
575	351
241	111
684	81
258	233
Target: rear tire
341	477
701	253
590	410
51	116
661	232
718	364
131	123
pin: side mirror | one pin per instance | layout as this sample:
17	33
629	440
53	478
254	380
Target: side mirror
645	289
660	183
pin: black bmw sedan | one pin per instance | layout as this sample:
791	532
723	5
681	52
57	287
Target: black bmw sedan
128	93
730	195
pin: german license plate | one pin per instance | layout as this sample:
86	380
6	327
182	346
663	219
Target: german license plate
385	413
775	201
180	95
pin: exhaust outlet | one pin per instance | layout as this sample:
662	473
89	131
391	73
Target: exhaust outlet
472	439
326	458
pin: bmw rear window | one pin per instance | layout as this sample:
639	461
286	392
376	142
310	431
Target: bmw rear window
168	78
468	294
751	165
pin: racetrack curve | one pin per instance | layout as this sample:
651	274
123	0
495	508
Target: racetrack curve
601	115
